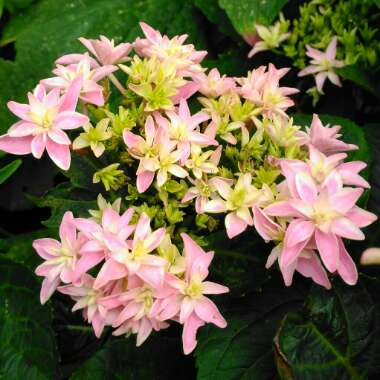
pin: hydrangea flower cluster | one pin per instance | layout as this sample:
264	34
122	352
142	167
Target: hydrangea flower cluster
182	166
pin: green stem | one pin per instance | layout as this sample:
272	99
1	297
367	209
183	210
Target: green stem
79	328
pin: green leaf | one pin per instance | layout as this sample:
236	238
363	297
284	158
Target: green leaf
245	14
357	75
377	2
333	338
64	198
40	40
7	170
159	358
216	15
243	350
27	344
19	248
81	172
16	5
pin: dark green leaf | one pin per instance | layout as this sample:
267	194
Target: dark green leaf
7	170
19	248
243	350
81	172
159	358
333	338
356	74
245	14
216	15
27	345
64	198
40	40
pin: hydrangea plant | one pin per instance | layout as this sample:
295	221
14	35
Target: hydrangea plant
181	152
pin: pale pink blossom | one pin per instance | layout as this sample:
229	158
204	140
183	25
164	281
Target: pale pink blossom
185	57
237	202
183	128
322	216
134	309
156	154
105	51
88	300
90	92
326	138
263	89
323	65
201	162
189	303
320	166
134	257
60	256
95	250
213	84
203	191
43	122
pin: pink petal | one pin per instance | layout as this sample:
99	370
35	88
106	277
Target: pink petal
70	99
20	110
144	180
208	312
189	333
16	145
327	244
70	120
234	225
38	145
21	129
111	270
58	136
213	288
60	154
48	288
346	228
298	231
360	217
346	268
313	269
47	248
306	187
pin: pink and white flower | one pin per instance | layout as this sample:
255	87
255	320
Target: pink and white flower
189	302
323	65
90	91
43	122
326	138
60	256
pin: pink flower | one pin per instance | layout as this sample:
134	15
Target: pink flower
134	309
183	129
213	84
156	154
185	57
105	51
134	257
320	166
326	138
237	202
42	123
263	89
95	250
323	65
60	257
189	303
90	92
88	299
203	191
322	214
